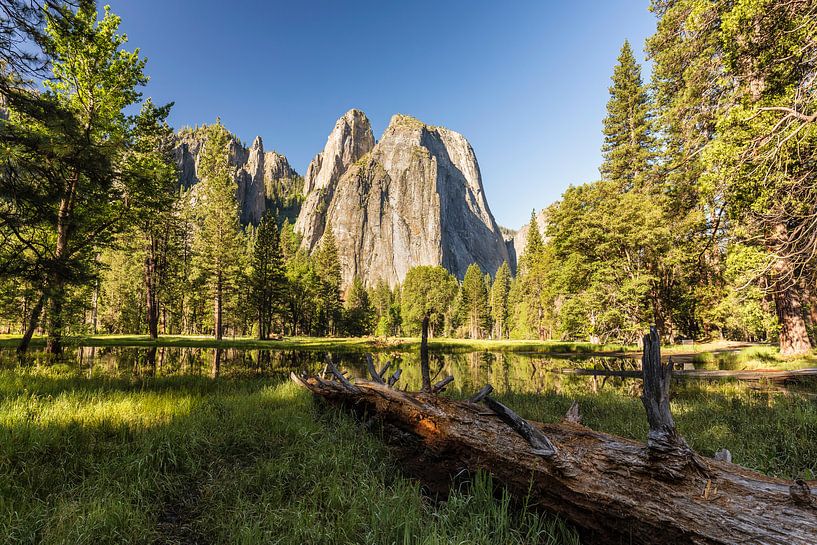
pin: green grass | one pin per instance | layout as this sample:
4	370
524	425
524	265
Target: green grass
765	429
754	357
93	458
325	343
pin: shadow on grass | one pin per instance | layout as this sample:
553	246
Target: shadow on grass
108	460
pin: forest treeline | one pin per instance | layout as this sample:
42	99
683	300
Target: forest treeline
703	221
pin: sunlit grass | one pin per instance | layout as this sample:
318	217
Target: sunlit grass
105	459
754	357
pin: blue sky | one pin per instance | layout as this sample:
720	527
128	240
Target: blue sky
525	81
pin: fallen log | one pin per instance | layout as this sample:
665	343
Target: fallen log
613	489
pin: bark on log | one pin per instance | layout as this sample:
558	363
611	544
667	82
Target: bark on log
616	490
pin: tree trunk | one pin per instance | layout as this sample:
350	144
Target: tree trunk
788	300
794	337
152	287
614	489
33	320
55	324
216	369
151	297
218	310
56	282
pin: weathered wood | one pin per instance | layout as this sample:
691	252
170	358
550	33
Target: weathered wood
657	377
538	440
616	489
338	375
385	368
440	386
372	371
573	414
479	396
395	377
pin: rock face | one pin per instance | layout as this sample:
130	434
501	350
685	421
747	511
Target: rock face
350	140
263	179
414	198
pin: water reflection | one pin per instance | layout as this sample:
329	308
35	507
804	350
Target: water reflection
529	373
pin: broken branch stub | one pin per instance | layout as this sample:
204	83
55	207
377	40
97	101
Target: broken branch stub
440	386
372	371
338	375
657	377
573	414
395	377
479	396
538	440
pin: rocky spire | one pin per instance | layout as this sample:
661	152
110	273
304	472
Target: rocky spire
349	141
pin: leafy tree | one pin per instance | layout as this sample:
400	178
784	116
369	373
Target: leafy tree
67	191
267	280
217	246
733	87
474	301
427	292
500	291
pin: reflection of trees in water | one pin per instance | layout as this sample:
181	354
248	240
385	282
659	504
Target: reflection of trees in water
507	372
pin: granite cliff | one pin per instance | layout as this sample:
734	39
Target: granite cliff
263	179
414	198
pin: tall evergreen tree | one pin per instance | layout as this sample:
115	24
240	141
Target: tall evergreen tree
474	301
533	280
358	311
151	158
267	279
736	100
628	143
500	291
217	246
327	265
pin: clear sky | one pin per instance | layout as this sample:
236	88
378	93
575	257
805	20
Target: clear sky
525	81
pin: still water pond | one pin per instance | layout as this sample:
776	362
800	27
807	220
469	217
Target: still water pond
523	372
529	371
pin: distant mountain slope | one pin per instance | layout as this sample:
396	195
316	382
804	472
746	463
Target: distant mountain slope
263	179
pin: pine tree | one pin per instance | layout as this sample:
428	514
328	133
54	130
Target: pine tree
500	291
533	278
628	143
327	266
151	158
358	311
267	279
217	246
474	301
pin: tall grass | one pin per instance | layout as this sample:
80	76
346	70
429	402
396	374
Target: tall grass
105	459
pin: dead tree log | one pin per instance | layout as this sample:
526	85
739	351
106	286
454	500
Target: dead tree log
614	489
